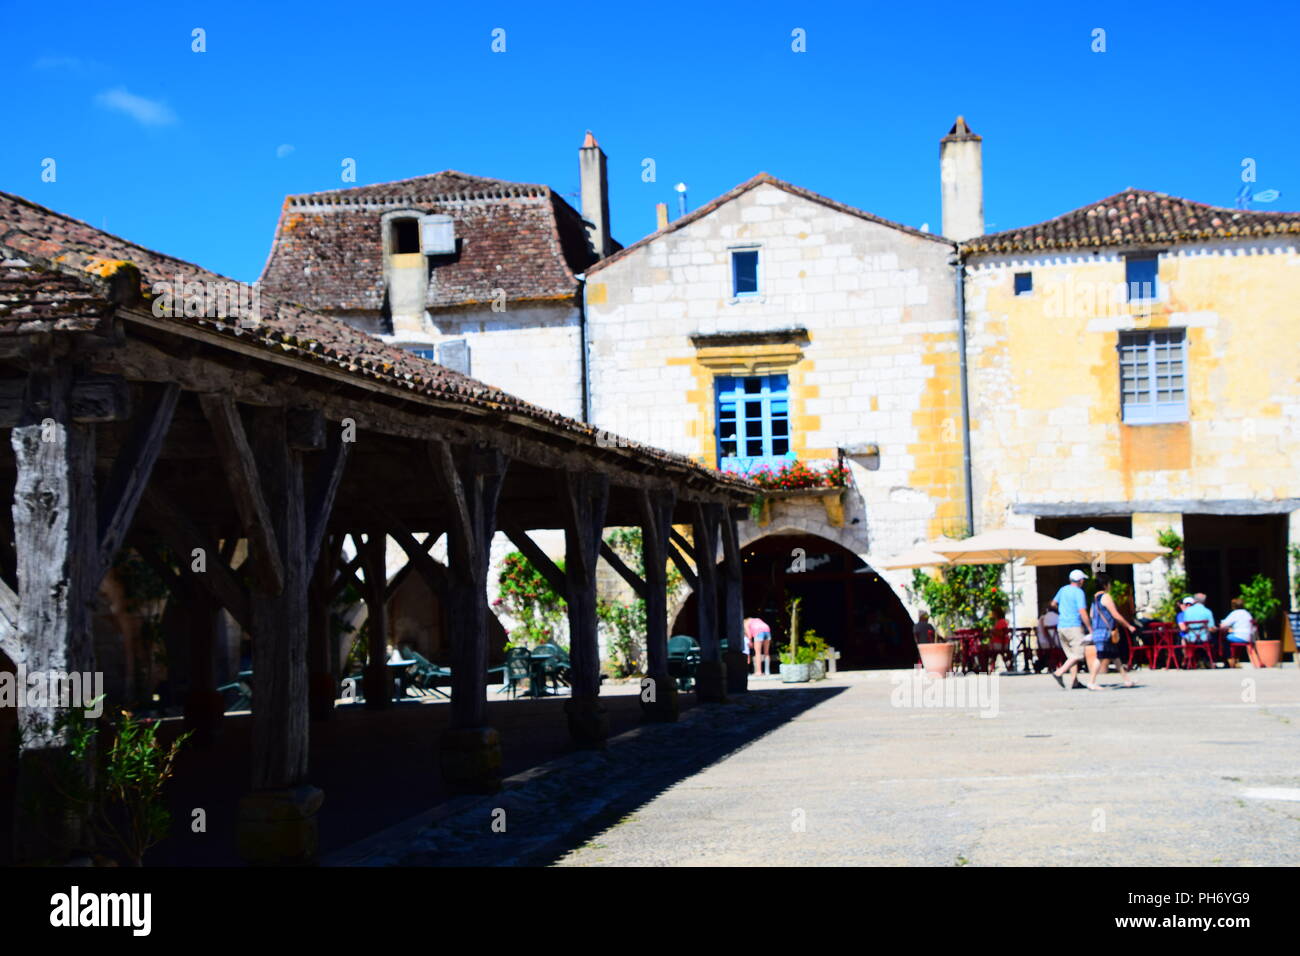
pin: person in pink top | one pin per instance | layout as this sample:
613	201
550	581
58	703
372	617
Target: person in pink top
758	643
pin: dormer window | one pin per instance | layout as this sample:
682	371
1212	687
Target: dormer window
406	236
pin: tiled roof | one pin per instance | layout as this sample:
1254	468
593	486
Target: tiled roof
36	300
745	187
66	254
520	237
1137	217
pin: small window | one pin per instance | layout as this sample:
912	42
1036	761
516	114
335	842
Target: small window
1140	274
744	272
406	236
1024	283
1153	376
430	354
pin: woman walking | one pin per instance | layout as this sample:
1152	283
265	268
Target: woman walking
1105	645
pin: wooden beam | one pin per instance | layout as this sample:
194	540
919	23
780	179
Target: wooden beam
246	488
180	534
378	684
626	573
583	499
733	604
538	559
462	536
131	471
323	491
279	620
306	427
94	398
688	573
687	547
705	532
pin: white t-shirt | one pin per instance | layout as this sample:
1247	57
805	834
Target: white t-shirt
1240	621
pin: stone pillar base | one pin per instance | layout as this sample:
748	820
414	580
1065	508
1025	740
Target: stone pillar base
279	827
470	759
322	692
665	706
711	682
204	711
588	722
737	672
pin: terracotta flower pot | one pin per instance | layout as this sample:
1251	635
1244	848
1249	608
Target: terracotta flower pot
936	658
1270	652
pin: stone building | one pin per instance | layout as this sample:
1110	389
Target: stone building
774	324
1126	365
480	274
1132	368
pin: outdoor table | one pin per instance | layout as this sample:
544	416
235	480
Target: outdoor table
399	679
537	674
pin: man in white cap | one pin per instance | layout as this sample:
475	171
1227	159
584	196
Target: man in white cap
1072	605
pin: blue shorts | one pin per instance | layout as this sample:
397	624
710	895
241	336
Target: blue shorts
1234	639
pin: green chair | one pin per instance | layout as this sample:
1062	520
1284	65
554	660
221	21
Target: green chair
515	671
683	659
425	674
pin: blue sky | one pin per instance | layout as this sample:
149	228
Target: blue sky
192	153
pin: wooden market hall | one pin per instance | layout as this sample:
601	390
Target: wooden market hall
138	419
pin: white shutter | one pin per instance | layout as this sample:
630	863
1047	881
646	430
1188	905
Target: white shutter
437	235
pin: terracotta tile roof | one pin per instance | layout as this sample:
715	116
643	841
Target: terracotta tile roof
68	262
745	187
1137	217
37	300
520	237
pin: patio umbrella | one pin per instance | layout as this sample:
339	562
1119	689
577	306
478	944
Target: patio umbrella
1094	545
918	557
1006	546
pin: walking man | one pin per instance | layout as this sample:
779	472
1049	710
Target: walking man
1072	605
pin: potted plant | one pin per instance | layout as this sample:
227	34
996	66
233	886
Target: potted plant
1259	600
794	665
1294	552
814	650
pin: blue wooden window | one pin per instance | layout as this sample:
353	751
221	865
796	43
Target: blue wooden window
744	272
1153	376
1140	274
753	415
1024	283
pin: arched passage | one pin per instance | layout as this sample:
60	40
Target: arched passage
844	601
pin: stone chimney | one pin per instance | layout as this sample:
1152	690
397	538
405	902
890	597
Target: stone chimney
595	195
961	173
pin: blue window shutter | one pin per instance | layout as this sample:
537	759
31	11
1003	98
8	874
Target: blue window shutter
753	421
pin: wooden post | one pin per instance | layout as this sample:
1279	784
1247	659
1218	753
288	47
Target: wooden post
471	480
658	690
323	667
711	676
54	513
583	499
277	820
733	605
204	706
378	685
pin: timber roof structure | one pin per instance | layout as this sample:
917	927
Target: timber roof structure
61	274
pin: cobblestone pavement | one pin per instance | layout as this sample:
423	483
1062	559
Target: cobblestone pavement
868	768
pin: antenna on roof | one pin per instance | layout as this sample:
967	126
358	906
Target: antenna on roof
681	199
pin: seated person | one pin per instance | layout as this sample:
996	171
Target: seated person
1193	613
923	630
1239	628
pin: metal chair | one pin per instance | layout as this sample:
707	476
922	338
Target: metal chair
515	671
970	641
1164	642
1196	640
683	659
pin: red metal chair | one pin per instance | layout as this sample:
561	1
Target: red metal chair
1050	654
1197	640
970	640
1228	649
1146	647
1164	642
999	645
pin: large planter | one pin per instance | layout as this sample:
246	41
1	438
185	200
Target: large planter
936	658
817	670
1270	652
794	673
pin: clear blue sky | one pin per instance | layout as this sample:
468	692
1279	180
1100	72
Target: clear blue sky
192	154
